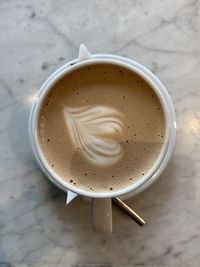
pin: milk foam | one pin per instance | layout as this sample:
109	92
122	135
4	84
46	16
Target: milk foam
93	131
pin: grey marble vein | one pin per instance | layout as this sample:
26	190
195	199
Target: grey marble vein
36	227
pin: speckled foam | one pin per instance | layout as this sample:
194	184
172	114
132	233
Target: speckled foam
140	137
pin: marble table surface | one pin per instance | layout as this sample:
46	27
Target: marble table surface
36	227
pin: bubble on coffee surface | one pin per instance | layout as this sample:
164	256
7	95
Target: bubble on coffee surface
92	130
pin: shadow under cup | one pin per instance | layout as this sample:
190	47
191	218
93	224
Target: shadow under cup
127	145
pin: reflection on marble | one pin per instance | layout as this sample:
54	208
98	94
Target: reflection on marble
36	227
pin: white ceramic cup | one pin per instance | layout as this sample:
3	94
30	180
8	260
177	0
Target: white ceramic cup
101	202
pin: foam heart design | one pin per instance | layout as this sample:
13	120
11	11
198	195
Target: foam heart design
93	131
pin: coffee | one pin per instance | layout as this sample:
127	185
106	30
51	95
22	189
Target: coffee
101	128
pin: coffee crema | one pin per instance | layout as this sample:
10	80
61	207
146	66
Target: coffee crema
101	128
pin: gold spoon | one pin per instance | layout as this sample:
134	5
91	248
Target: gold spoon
131	213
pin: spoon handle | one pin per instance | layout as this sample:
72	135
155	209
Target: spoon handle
131	213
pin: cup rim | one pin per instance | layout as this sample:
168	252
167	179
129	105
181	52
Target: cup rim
46	87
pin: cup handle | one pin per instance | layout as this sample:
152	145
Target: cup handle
102	215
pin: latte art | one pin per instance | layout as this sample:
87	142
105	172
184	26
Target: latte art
93	131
